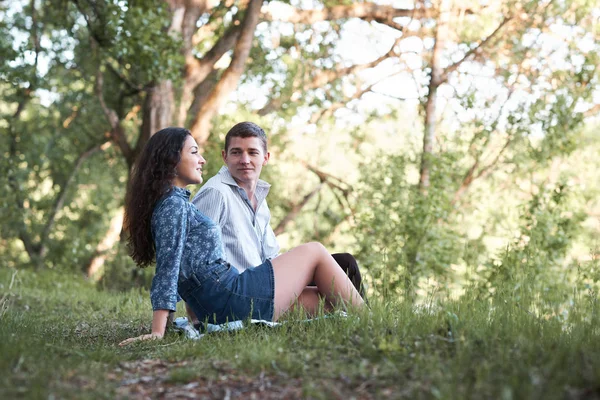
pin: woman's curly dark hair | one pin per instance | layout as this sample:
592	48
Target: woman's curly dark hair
151	178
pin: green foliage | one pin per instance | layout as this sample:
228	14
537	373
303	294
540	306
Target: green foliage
403	235
60	185
136	37
120	272
534	262
560	125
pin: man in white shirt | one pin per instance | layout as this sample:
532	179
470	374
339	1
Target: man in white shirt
235	198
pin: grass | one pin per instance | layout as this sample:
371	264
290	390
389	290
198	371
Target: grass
58	336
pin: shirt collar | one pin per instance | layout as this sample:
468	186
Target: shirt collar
180	192
227	179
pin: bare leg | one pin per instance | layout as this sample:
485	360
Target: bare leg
303	264
191	315
309	300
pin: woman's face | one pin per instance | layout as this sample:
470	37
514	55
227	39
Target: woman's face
189	169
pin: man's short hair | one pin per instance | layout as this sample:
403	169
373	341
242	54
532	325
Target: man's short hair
245	130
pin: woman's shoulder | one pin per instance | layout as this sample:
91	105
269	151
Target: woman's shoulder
173	201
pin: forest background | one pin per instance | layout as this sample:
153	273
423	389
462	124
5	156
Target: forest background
448	145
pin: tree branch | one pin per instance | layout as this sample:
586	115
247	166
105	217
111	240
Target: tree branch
192	11
117	134
201	93
333	182
231	76
296	208
60	199
197	70
475	50
323	77
357	95
135	88
367	11
593	111
470	176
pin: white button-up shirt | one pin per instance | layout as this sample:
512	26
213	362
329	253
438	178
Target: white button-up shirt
247	235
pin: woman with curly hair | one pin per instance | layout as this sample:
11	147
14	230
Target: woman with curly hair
164	226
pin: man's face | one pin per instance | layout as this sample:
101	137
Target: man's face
245	158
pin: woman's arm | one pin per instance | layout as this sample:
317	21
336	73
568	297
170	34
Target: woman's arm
170	230
159	325
170	226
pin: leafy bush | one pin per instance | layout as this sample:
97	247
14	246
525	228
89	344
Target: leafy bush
403	235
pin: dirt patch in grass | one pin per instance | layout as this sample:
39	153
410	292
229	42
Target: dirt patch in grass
147	379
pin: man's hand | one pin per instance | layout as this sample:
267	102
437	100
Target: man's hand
149	336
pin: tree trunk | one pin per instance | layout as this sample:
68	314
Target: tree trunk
436	79
112	236
157	113
430	105
158	109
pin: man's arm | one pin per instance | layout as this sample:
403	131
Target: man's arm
210	202
270	246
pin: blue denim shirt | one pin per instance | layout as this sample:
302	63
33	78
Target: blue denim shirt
185	240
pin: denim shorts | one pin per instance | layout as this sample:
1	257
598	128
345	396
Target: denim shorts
218	293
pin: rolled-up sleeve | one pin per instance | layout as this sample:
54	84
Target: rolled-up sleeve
170	230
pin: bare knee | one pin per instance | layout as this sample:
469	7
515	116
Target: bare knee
317	247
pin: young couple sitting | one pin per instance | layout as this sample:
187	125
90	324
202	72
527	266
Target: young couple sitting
218	253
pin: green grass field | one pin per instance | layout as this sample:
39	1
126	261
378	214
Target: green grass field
59	335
